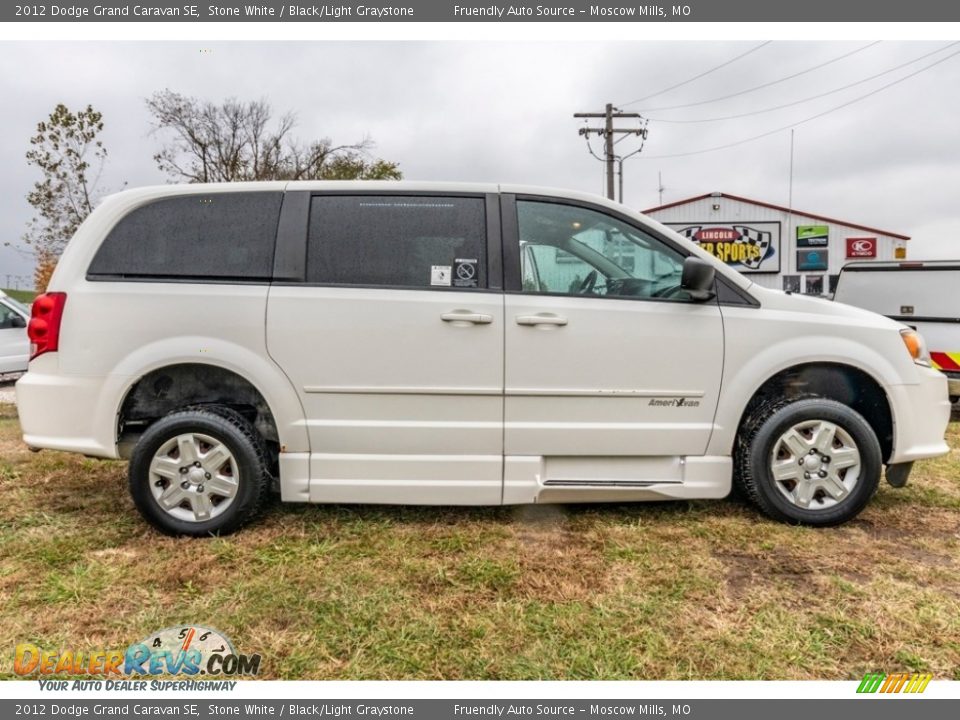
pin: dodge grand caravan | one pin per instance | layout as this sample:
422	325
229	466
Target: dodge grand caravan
454	344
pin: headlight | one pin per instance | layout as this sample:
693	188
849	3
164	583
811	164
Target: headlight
916	346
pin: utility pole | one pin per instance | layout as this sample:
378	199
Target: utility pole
620	180
608	132
791	234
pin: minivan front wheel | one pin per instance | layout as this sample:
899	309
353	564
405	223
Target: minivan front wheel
199	471
812	461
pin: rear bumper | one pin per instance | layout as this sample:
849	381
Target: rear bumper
65	412
921	413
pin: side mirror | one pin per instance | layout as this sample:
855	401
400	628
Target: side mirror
18	322
697	279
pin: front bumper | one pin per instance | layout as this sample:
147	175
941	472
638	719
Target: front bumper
921	413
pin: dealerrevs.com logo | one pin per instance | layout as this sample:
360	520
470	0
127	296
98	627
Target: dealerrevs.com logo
189	650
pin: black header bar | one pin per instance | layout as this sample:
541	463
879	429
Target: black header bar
476	11
63	706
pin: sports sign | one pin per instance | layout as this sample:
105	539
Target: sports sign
747	247
863	247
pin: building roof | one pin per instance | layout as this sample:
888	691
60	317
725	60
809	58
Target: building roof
816	216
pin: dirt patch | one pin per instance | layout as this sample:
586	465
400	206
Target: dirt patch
900	536
745	572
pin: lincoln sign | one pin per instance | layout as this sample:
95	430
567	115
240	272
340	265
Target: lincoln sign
748	247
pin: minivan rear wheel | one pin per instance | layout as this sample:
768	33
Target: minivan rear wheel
811	461
199	471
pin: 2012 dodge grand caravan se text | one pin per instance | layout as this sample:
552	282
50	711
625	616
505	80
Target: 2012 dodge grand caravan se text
454	344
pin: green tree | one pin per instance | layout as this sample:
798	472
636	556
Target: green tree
235	141
70	156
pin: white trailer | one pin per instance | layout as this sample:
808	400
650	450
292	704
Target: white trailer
922	294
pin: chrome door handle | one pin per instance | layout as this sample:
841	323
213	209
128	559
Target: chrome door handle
542	319
467	317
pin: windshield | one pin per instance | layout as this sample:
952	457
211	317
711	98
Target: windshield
17	305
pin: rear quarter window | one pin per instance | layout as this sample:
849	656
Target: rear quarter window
221	236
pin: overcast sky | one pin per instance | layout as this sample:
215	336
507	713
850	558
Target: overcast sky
502	112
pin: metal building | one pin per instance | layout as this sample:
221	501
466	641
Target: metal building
779	247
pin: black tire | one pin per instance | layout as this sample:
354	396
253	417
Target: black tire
757	440
240	438
272	459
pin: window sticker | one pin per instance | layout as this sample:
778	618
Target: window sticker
440	275
465	272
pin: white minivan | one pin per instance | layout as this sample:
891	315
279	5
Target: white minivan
434	343
924	295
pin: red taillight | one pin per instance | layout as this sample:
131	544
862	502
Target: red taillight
44	327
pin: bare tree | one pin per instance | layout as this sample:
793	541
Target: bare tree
71	157
235	141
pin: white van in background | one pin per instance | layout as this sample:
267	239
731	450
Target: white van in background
924	295
14	345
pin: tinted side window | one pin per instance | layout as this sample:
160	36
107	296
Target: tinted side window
401	241
222	236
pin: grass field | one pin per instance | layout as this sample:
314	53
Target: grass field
684	590
24	296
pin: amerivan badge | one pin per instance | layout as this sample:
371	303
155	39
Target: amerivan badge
674	402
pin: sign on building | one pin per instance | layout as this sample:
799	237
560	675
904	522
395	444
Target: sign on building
812	259
813	243
811	236
861	247
747	247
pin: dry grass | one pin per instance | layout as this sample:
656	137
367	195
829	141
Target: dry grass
665	591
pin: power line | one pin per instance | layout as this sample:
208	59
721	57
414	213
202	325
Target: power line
807	99
697	77
766	84
608	132
586	136
805	120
